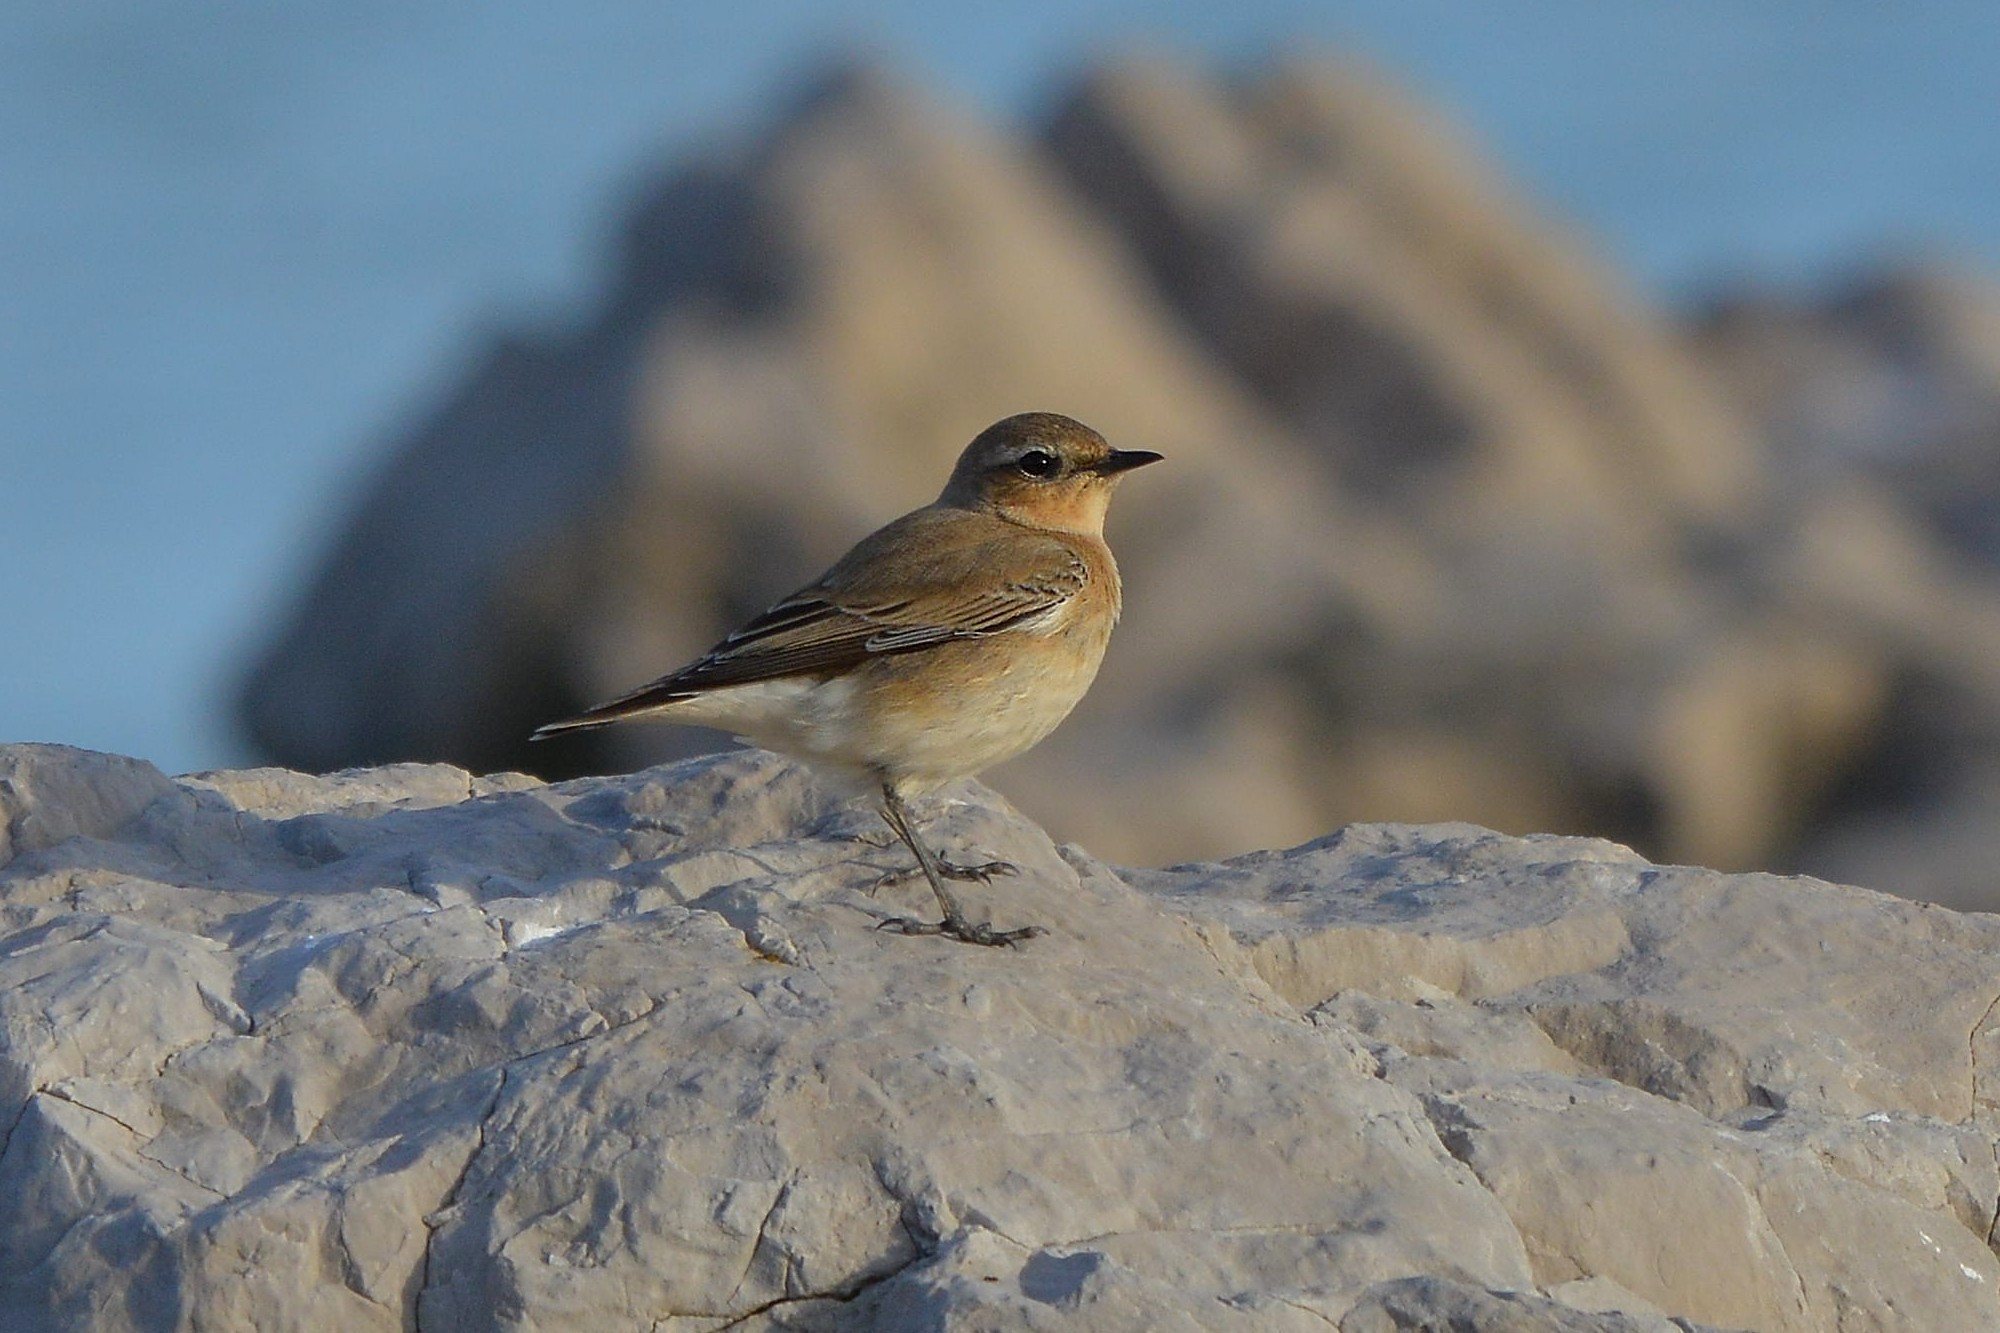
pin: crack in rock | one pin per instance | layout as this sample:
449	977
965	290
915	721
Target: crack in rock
20	1114
1993	1227
450	1199
56	1094
1784	1252
1972	1055
1307	1310
842	1295
434	1219
763	1225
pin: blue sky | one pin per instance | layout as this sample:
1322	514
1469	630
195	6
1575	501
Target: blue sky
244	240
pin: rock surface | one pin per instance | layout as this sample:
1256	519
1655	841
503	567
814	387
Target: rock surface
1883	397
409	1048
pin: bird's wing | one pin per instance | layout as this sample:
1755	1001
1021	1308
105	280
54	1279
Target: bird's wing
911	586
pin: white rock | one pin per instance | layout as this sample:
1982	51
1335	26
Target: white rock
408	1046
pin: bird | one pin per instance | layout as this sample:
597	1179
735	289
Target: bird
954	637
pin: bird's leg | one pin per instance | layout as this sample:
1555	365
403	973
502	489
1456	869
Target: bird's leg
898	816
954	924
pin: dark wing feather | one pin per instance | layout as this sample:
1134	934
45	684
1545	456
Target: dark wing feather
816	631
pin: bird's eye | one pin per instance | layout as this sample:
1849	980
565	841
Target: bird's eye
1037	463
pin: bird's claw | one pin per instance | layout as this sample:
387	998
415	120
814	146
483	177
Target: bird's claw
982	873
957	928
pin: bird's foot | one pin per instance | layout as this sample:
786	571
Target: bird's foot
958	928
981	873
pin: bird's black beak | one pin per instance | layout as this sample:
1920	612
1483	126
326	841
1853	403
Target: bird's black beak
1123	460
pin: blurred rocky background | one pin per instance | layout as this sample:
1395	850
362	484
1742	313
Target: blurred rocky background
1454	524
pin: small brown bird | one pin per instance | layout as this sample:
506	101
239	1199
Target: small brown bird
955	637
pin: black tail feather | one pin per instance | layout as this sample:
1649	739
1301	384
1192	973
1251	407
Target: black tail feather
636	704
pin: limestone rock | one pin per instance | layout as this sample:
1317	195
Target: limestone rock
1882	399
409	1047
1352	257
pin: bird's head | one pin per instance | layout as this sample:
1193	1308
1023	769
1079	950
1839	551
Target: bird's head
1041	470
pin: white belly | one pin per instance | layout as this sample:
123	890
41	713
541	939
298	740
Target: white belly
918	719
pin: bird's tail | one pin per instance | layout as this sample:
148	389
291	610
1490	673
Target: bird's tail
642	702
568	725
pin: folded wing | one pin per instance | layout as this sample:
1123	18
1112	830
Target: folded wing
890	595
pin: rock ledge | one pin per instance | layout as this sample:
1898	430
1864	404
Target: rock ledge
410	1048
